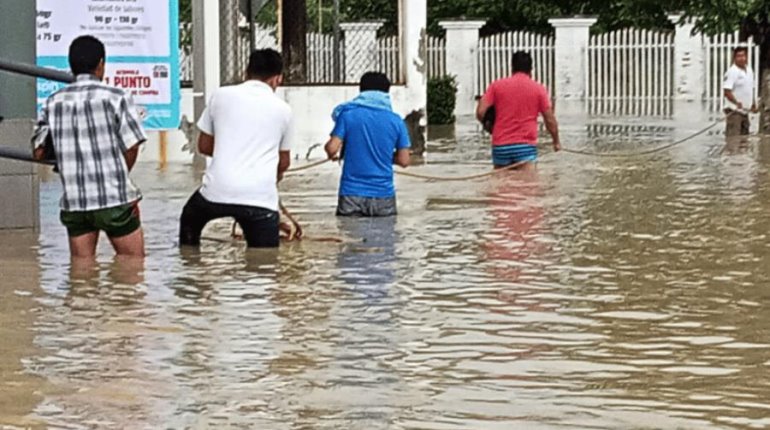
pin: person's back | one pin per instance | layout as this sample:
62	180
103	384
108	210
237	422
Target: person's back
251	124
517	101
245	129
95	132
371	138
92	177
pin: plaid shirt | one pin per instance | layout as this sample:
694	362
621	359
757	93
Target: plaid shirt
91	126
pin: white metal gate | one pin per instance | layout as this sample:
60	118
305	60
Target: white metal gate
496	54
631	72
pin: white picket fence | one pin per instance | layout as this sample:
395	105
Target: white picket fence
718	58
631	71
389	57
436	62
320	56
495	55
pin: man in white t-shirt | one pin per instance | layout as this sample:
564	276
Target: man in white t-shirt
246	130
739	91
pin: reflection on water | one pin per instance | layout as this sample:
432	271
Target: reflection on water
592	293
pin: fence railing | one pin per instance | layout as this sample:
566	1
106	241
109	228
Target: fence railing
320	56
718	58
436	62
631	71
389	57
496	51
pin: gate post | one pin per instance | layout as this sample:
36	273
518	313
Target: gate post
689	61
462	46
19	190
571	56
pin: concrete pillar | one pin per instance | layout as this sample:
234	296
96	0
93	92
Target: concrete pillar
360	48
206	48
414	21
462	44
19	195
571	56
689	61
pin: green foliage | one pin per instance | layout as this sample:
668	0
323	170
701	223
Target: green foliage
442	98
534	15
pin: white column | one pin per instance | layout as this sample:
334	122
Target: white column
414	21
689	61
206	70
571	56
462	45
360	48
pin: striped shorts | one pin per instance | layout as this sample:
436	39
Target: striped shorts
505	155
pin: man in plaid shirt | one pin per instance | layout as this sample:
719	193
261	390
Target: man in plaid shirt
95	132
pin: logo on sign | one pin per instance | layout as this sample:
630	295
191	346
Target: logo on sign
160	72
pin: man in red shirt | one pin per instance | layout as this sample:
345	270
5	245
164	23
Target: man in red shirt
517	101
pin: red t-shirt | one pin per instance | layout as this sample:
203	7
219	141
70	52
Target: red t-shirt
518	100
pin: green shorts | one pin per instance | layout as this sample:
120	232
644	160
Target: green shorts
115	222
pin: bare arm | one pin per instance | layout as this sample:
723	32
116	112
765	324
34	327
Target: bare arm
39	153
731	97
206	144
284	162
552	125
131	155
402	158
482	108
333	148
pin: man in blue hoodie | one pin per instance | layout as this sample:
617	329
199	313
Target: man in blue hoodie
370	138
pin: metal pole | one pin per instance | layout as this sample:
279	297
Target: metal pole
337	42
35	71
22	155
252	28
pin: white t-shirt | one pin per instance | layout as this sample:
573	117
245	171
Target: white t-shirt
741	83
250	124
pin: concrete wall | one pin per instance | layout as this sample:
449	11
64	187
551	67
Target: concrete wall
18	181
312	106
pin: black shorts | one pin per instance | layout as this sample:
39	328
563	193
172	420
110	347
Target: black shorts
260	225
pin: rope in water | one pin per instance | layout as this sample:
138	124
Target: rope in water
308	166
649	151
567	150
461	178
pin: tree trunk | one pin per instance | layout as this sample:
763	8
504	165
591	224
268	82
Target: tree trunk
293	44
764	87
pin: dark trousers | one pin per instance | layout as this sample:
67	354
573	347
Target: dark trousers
260	225
366	206
737	124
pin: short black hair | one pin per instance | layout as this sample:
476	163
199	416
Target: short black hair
86	52
374	81
738	49
264	64
522	62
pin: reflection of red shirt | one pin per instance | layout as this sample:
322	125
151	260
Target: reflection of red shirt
517	217
518	100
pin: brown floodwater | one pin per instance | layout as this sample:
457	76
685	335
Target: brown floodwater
593	293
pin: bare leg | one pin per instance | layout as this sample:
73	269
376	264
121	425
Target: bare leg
131	245
84	246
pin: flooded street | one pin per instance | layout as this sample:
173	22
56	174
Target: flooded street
593	293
